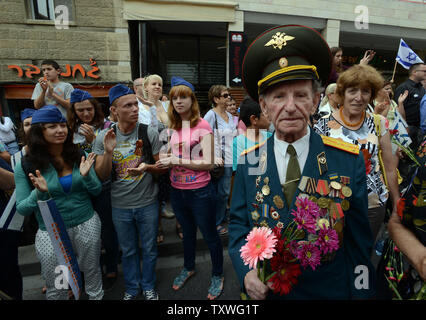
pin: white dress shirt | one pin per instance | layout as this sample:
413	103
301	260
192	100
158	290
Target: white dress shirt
282	157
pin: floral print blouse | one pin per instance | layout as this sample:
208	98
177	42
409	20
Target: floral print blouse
367	139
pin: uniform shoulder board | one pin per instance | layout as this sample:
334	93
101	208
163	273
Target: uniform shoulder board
253	148
340	144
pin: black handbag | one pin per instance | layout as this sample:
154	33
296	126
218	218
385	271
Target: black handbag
218	170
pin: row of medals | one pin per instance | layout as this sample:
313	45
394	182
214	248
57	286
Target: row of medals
334	189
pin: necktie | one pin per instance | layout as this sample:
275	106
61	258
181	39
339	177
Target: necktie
292	175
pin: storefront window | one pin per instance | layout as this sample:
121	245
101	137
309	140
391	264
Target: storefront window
200	60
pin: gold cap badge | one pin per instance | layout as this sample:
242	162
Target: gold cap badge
279	40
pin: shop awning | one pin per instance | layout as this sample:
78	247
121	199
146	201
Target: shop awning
25	91
180	10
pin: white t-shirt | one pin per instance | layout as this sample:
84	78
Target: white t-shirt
62	89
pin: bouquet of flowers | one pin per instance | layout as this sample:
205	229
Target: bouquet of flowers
305	242
396	274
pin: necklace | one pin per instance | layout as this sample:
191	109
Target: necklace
348	123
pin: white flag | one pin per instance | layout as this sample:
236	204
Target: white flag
407	57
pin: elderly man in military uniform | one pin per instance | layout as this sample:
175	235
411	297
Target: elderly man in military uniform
283	69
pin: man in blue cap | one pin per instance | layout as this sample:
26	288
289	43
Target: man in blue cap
282	69
130	150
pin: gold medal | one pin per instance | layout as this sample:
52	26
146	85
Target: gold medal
313	199
266	180
278	202
346	191
264	224
335	185
255	215
345	205
323	202
266	190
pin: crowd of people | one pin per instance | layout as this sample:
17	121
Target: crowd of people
114	177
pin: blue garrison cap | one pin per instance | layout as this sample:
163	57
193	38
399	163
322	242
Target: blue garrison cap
118	91
177	81
78	95
48	114
27	113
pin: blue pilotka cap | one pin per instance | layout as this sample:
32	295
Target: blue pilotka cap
78	95
48	114
177	81
118	91
27	113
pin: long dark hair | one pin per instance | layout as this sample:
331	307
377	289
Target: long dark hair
39	155
98	119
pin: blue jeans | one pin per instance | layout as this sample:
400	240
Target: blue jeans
130	224
195	207
223	188
102	205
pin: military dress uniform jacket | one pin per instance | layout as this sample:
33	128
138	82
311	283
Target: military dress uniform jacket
335	279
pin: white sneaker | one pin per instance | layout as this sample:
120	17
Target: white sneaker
128	296
150	295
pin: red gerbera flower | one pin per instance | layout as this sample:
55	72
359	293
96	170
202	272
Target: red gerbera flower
286	270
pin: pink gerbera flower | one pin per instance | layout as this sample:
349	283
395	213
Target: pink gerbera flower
260	245
309	206
304	220
328	240
309	255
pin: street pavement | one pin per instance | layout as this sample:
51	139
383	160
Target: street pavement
169	264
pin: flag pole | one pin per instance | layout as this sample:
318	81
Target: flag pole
394	69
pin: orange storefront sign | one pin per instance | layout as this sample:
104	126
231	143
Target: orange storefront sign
70	72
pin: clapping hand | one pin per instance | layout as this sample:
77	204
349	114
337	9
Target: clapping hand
138	170
167	161
38	181
86	164
110	141
87	131
402	97
145	101
49	92
43	83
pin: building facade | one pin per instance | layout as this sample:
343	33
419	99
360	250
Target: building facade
88	39
201	40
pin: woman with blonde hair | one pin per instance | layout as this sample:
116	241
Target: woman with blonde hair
192	195
329	103
356	88
153	90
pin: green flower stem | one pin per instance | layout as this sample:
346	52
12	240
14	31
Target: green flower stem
422	292
407	151
270	276
392	286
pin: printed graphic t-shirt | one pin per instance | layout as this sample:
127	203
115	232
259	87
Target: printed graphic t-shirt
130	192
186	144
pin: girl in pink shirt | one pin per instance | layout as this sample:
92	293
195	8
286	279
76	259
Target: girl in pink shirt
192	194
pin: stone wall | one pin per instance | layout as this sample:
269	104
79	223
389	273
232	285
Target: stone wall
97	31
